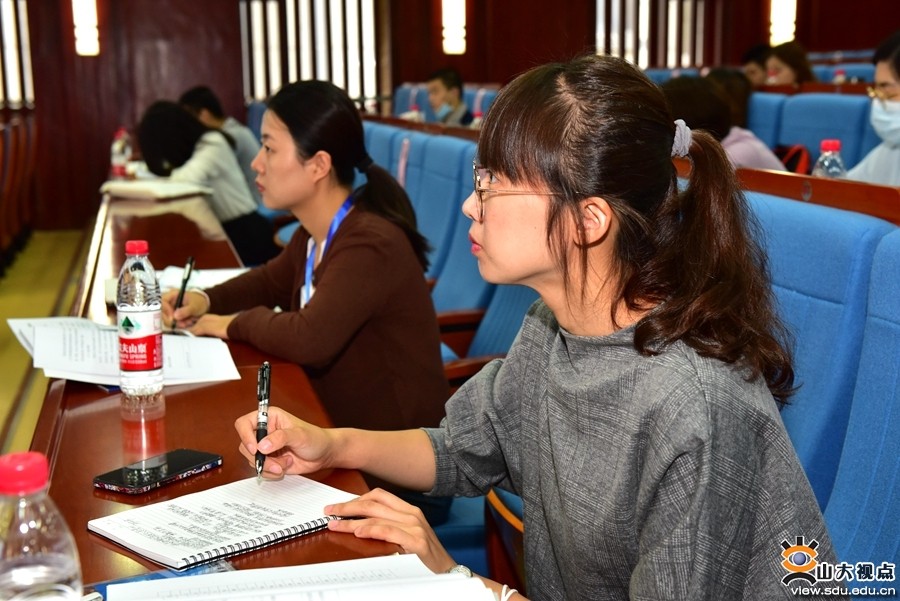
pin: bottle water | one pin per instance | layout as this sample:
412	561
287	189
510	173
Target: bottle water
830	163
119	154
139	318
38	556
476	121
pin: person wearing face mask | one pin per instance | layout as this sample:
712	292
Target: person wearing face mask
445	88
882	164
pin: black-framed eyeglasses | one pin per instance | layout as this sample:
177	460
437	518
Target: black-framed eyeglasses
482	174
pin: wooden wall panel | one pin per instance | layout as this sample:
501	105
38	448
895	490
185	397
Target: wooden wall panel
824	25
504	37
149	49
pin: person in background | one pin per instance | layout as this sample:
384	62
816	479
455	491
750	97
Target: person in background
637	411
787	64
357	313
703	104
202	102
176	145
754	64
737	88
445	90
882	164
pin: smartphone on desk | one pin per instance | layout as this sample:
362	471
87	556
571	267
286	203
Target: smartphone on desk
153	472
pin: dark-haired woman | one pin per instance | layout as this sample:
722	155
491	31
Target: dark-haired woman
176	145
637	412
357	314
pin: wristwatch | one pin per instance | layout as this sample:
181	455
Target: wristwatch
460	569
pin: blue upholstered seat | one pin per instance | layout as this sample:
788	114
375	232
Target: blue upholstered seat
255	111
764	116
286	232
824	73
380	143
500	324
463	533
810	118
440	194
863	72
402	99
863	513
820	259
460	285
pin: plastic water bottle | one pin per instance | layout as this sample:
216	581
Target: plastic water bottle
38	556
476	121
830	163
120	154
139	317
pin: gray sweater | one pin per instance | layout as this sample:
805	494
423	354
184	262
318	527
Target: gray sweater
665	477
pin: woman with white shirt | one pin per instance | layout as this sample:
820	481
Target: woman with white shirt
175	144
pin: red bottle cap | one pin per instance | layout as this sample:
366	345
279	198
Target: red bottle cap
137	247
23	473
833	145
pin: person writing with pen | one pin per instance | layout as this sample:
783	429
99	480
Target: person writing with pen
636	413
347	299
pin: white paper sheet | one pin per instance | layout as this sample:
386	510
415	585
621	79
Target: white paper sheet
152	188
390	578
81	350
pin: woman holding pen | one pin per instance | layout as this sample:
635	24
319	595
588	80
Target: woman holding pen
355	309
637	412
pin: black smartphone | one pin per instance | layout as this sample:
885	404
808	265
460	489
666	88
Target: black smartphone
153	472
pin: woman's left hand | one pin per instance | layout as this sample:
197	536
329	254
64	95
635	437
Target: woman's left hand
380	515
212	325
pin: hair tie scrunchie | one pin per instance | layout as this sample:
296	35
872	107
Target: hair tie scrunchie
681	146
364	164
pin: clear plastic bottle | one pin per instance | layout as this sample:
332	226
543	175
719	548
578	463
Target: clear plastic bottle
139	317
38	556
830	163
120	154
476	121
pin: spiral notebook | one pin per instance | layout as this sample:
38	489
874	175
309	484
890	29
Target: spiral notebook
222	521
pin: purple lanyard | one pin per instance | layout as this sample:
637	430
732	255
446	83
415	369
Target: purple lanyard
311	258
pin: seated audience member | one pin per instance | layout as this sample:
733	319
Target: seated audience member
637	411
737	89
357	314
201	102
445	91
787	64
882	164
754	64
176	145
702	104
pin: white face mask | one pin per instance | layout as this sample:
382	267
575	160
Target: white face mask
885	119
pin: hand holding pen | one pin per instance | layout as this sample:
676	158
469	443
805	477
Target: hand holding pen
262	414
188	268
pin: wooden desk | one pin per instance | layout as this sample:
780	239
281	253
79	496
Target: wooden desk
85	431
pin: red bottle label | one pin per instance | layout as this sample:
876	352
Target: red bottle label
140	340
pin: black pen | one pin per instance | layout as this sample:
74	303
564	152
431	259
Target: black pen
188	268
262	414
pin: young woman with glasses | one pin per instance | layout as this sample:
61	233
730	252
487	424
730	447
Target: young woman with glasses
637	412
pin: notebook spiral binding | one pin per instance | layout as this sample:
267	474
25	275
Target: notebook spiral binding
256	543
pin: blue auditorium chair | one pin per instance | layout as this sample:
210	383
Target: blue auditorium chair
460	286
440	194
764	116
820	259
255	111
494	333
810	118
863	514
482	101
402	99
380	143
823	73
658	75
862	72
